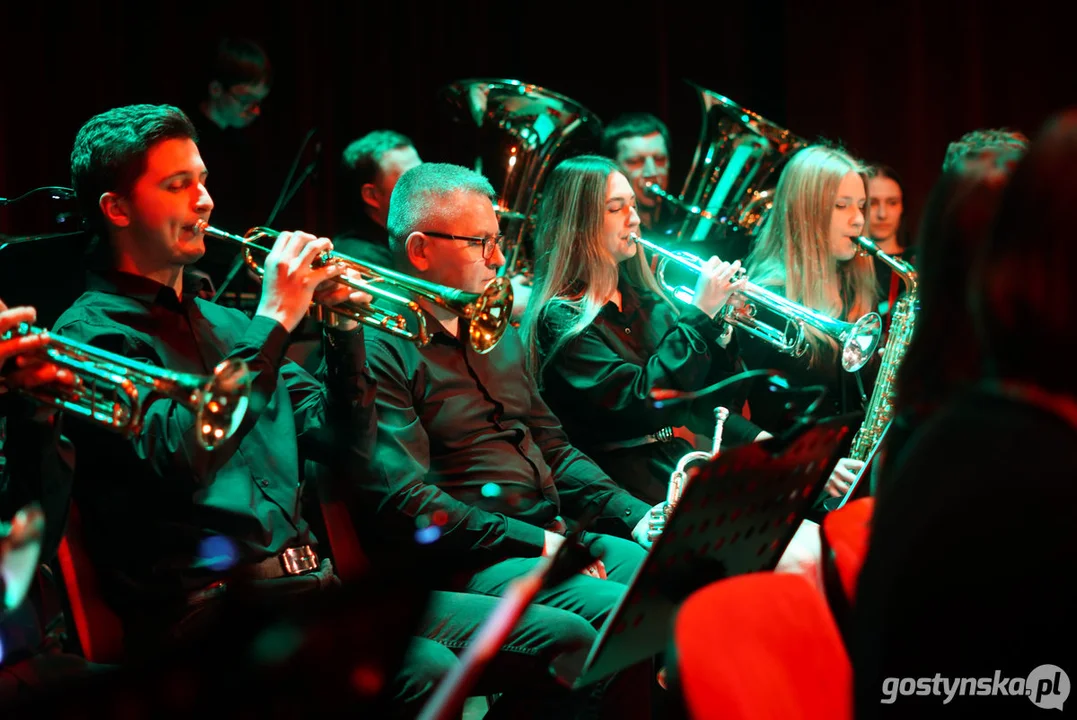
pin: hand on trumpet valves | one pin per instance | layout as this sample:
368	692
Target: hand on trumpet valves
717	283
291	277
33	368
332	293
651	525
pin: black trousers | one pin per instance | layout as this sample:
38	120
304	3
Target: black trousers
562	620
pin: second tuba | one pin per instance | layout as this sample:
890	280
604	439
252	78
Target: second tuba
523	130
730	183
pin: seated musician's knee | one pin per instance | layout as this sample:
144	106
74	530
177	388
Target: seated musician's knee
426	663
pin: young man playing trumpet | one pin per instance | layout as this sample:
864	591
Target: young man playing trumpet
165	518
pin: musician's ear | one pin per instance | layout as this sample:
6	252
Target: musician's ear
417	247
115	208
369	193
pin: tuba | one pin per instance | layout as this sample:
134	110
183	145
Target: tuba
114	391
487	312
738	159
858	339
524	130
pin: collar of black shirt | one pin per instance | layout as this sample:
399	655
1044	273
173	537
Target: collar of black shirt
144	289
632	299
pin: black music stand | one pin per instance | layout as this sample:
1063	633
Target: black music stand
736	516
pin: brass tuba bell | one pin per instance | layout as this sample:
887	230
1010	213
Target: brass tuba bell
729	187
523	131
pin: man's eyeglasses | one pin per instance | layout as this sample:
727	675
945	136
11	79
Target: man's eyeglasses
488	243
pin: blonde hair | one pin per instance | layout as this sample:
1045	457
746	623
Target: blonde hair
574	270
792	249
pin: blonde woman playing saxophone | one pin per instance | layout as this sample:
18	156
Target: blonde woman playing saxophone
805	252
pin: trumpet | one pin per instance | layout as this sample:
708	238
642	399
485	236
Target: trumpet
678	479
114	391
488	312
858	339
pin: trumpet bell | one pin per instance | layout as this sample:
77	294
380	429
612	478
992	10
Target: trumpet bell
222	402
860	341
489	315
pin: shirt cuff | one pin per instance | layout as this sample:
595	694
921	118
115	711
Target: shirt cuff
270	336
739	431
710	328
628	508
345	346
523	539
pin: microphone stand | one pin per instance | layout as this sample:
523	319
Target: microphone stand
283	199
58	193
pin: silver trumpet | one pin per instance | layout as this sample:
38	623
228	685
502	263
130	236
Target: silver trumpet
858	339
114	391
678	479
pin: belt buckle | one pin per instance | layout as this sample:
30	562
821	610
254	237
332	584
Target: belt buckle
299	560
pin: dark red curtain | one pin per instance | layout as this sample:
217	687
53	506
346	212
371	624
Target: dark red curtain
895	82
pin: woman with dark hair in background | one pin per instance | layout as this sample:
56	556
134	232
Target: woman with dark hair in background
887	226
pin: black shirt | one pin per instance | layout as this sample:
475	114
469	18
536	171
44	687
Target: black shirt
599	384
466	439
159	510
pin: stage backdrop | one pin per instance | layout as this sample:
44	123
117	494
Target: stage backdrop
894	82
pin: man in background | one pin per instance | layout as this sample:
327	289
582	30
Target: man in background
370	168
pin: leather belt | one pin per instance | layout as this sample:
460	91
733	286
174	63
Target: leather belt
290	563
293	561
663	435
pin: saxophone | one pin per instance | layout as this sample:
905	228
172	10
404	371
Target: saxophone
902	320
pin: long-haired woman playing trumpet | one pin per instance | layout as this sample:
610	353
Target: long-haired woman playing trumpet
602	333
805	252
